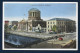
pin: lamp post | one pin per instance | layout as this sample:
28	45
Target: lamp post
65	29
27	26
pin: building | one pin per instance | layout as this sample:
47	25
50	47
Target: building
39	25
14	23
34	21
22	25
7	23
34	14
62	25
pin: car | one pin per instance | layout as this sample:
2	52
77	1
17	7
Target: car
52	32
60	38
39	31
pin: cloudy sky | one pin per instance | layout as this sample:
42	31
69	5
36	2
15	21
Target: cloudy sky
18	11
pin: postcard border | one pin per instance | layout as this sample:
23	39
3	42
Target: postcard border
42	48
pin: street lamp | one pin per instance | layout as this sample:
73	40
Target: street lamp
65	29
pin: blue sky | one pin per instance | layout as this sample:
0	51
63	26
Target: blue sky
16	11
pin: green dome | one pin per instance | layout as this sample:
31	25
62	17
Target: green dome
34	10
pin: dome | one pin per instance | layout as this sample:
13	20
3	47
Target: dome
34	10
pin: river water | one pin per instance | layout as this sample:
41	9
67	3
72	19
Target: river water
19	40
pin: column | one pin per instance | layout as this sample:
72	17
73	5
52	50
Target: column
32	14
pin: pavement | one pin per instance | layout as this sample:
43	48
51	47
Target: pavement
33	34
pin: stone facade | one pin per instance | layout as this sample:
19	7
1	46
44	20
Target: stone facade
34	14
33	21
62	25
14	23
22	25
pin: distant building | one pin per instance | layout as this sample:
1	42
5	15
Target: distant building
14	23
62	25
33	23
22	25
10	22
6	22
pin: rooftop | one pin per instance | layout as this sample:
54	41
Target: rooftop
33	10
65	19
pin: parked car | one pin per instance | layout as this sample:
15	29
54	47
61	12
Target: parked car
39	31
60	39
52	32
61	35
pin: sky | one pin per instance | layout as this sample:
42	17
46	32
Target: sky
19	11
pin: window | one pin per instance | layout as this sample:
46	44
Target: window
48	22
48	30
48	26
62	22
58	22
33	14
51	22
51	26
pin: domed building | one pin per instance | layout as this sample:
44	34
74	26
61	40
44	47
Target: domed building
34	21
34	14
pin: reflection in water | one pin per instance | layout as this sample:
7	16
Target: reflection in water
19	40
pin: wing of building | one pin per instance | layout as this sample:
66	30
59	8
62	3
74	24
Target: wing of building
62	25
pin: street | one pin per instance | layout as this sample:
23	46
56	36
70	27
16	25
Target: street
49	39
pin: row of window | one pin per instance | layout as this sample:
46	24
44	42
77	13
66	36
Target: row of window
54	22
58	26
61	22
50	26
51	22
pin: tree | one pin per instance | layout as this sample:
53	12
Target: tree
10	26
54	28
15	27
6	27
30	28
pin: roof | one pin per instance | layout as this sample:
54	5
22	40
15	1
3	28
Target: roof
34	10
42	23
14	21
65	19
6	21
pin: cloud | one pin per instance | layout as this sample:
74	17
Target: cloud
48	18
15	18
44	18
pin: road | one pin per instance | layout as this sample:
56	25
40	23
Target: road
49	42
36	35
55	43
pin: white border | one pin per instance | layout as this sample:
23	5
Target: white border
42	48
